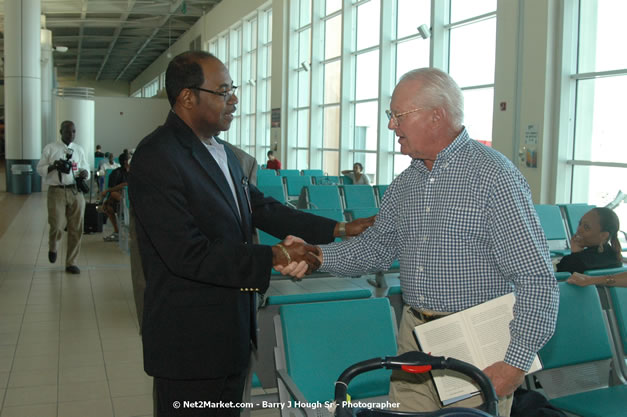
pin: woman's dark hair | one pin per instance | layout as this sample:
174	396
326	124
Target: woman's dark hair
184	71
610	223
270	153
361	167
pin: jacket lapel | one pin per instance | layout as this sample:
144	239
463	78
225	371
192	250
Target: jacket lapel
201	154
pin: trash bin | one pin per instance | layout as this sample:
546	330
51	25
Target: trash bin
21	179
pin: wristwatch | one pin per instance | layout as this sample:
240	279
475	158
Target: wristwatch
342	229
610	281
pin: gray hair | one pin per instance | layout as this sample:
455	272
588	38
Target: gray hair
439	90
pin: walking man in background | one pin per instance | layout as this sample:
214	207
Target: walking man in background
60	164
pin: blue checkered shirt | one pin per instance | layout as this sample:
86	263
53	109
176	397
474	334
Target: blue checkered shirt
464	233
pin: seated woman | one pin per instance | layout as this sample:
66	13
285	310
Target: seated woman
595	245
357	175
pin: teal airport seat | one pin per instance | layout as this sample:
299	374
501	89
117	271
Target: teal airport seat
359	196
296	183
359	213
379	191
264	365
326	180
605	271
275	191
562	276
266	173
577	359
573	213
269	180
323	197
288	172
347	180
317	341
333	214
313	172
554	229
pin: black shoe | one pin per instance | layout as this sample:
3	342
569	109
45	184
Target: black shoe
52	257
72	269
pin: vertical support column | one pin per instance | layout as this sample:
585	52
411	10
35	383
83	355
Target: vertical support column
22	78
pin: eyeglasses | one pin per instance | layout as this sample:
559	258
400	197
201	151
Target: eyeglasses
226	94
395	118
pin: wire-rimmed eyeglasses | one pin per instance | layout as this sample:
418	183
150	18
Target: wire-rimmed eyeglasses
395	118
226	94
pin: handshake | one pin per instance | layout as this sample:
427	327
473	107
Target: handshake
295	257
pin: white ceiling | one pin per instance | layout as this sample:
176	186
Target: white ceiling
114	39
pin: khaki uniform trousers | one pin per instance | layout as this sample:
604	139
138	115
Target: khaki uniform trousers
66	204
416	392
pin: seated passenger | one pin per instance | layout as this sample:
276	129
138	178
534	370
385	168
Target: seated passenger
595	245
273	162
106	164
357	174
117	181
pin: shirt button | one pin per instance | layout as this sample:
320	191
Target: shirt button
427	209
420	269
421	298
424	239
431	179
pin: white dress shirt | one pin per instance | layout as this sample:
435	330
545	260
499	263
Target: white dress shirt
219	155
58	150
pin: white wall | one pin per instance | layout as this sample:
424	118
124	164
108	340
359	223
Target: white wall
123	122
102	88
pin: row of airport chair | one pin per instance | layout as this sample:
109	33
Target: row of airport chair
345	197
291	186
584	370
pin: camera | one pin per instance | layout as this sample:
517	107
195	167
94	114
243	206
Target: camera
64	166
82	186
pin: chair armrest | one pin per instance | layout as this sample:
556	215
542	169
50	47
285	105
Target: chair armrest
296	394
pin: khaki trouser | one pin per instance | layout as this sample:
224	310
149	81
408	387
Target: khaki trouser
416	392
66	203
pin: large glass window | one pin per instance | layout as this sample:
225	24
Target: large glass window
472	67
599	165
345	58
246	50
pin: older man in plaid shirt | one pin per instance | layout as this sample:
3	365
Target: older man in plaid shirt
461	222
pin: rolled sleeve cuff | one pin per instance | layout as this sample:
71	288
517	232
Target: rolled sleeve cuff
519	357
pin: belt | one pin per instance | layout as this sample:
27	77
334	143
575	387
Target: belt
426	317
64	186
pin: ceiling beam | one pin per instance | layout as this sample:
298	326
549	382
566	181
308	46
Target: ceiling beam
116	36
80	39
175	5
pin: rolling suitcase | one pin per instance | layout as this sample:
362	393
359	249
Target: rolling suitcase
93	219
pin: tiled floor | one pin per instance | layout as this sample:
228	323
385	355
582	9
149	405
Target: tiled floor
69	345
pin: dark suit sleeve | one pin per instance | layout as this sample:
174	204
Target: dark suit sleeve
183	229
279	220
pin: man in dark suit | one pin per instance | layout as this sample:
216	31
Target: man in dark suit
195	217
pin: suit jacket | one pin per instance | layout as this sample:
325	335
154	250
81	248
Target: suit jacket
199	261
247	162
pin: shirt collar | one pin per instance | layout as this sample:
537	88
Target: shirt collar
447	154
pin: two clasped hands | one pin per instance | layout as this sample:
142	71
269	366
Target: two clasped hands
297	258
